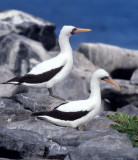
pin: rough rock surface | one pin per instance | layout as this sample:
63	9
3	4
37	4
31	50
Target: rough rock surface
11	111
129	109
6	28
20	53
29	26
64	141
72	88
21	106
134	78
48	131
99	123
88	152
115	61
116	98
109	138
19	144
45	128
55	150
37	102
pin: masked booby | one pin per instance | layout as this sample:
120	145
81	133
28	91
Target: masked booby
78	113
51	72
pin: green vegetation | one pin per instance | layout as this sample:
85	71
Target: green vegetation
126	124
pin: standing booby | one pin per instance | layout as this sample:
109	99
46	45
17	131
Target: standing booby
51	72
79	113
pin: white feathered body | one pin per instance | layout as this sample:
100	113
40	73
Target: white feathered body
91	105
56	62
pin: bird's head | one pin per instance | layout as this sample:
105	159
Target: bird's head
101	74
70	30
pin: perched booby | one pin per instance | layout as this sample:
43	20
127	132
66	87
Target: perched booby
79	113
51	72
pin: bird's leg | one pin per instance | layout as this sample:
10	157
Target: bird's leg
81	127
52	95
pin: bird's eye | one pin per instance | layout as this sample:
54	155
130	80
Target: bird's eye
74	29
104	78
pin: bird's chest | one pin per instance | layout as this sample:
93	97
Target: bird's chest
95	111
68	66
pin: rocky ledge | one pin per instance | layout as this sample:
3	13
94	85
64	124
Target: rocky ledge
24	137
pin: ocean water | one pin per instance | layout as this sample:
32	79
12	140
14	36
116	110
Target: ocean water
112	21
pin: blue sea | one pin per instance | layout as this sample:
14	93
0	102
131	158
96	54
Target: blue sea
112	21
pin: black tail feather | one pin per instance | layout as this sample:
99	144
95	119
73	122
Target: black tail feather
39	114
15	79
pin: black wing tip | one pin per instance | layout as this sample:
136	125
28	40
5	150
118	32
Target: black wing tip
34	114
38	114
3	83
15	79
8	83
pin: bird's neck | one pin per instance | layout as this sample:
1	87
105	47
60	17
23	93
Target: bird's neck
95	89
64	44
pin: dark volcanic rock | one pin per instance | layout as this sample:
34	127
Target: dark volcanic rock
37	102
129	109
54	150
20	53
99	123
48	130
63	140
99	145
117	98
30	26
134	78
17	144
110	139
88	152
11	111
115	61
44	128
72	88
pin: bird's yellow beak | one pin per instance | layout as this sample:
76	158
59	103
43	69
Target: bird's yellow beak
109	80
79	30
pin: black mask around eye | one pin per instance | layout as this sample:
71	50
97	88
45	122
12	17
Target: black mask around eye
104	78
74	29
